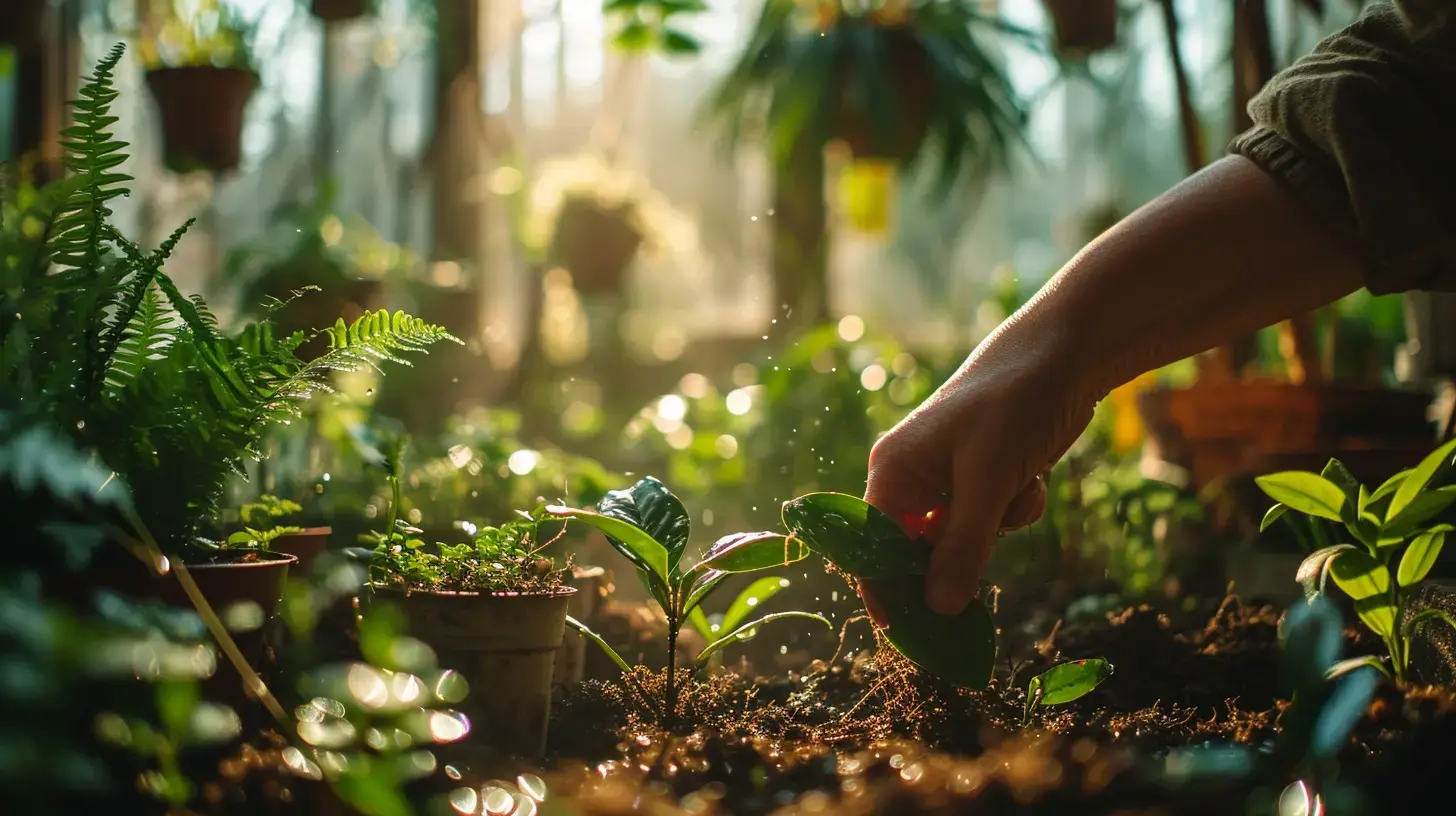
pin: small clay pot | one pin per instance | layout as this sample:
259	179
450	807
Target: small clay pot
23	24
306	546
505	647
202	110
595	244
338	11
1083	27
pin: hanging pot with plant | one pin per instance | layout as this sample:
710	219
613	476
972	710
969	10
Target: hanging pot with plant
494	610
1082	27
201	110
338	11
23	24
595	243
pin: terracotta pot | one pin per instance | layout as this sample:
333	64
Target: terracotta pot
233	581
306	546
337	11
23	24
595	244
895	137
1083	27
590	584
505	647
202	115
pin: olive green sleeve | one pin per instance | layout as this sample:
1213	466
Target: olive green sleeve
1363	131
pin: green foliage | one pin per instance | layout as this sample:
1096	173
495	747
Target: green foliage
806	66
649	526
260	520
1397	528
500	559
860	540
127	365
1064	683
652	25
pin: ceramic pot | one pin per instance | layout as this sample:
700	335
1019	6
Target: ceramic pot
896	137
306	545
1083	27
201	111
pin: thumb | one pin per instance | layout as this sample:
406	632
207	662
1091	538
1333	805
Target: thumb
959	558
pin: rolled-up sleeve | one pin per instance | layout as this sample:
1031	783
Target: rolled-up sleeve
1363	131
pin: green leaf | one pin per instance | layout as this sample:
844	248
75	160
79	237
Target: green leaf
1273	515
600	642
1359	574
1419	557
634	36
1422	508
1337	474
1362	504
628	539
1388	488
700	623
1067	682
854	536
651	507
748	630
1378	613
1418	478
1305	492
679	43
750	552
959	649
175	701
750	599
1315	567
1426	616
1348	665
702	586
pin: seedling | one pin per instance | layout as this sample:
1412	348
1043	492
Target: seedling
260	522
1062	684
648	525
860	540
1395	524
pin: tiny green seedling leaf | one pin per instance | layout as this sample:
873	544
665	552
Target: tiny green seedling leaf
748	630
701	588
1420	557
855	536
1065	683
1419	476
750	599
1305	492
1273	515
1344	667
751	552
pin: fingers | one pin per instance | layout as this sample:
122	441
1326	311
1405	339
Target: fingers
959	559
1027	507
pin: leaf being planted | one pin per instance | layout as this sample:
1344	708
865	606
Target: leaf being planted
1305	492
855	536
959	649
1067	682
751	552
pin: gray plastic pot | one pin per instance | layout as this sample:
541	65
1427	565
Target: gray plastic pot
505	646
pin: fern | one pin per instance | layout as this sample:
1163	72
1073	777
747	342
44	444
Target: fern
146	335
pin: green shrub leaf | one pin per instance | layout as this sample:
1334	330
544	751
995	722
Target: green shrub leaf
651	507
1067	682
1359	574
1418	478
750	599
632	541
1425	506
750	552
1419	557
854	536
1274	514
1305	492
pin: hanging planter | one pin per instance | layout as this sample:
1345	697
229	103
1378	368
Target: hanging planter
595	243
23	23
201	111
338	11
871	129
1083	27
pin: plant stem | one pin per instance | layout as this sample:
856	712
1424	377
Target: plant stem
670	714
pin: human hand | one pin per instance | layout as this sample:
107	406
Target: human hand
968	463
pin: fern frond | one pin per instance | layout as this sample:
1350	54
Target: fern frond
90	152
129	295
147	335
372	338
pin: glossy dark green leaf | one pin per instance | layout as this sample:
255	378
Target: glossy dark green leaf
1337	474
1420	557
703	585
1305	492
959	649
854	536
1425	506
750	552
749	630
627	538
651	507
1418	478
1066	682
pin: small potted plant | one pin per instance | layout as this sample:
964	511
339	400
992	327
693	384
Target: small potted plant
201	75
262	530
23	23
884	79
1083	27
593	217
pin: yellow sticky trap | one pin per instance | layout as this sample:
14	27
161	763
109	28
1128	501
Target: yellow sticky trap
867	194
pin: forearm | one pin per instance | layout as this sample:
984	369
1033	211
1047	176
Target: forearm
1226	252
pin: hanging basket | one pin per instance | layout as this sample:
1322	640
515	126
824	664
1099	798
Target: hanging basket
1083	27
911	78
202	115
338	11
22	25
595	244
